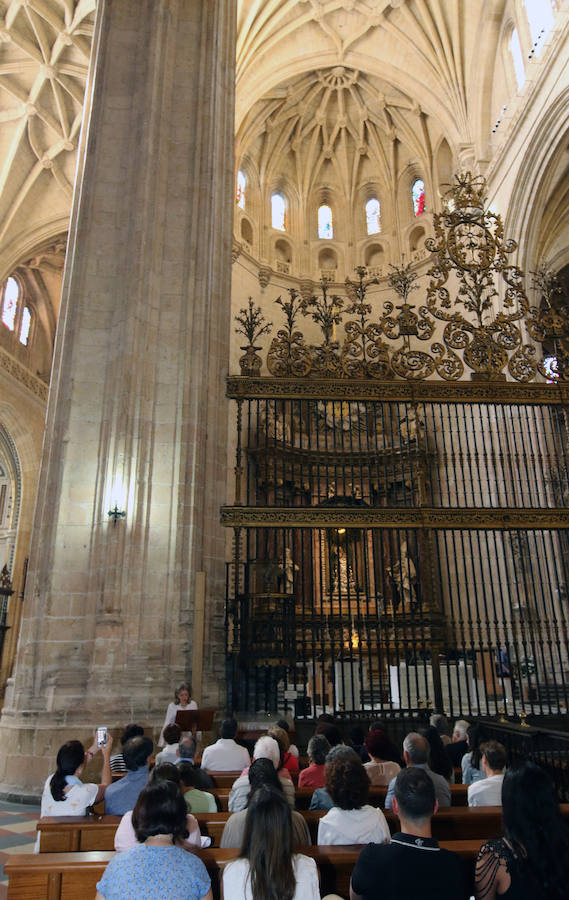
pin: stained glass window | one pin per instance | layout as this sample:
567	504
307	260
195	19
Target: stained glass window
418	195
25	326
373	216
278	212
10	303
241	185
518	59
325	225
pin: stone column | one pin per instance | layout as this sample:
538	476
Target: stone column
137	413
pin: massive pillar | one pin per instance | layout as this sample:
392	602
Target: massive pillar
136	415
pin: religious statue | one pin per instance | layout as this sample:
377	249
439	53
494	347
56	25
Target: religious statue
404	575
288	572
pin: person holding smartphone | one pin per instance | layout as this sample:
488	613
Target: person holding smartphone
64	793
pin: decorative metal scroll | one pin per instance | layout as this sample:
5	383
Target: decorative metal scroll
492	337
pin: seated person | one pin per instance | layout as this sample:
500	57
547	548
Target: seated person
226	755
379	770
171	736
117	760
196	799
357	737
186	749
416	753
438	759
282	723
458	746
406	866
531	861
441	723
288	760
157	866
262	772
472	761
64	794
122	795
125	837
488	792
351	820
267	865
313	776
268	748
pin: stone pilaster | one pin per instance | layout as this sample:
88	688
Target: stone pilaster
137	413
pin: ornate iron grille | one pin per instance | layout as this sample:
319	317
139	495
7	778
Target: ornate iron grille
401	542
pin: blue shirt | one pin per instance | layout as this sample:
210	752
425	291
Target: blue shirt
145	873
122	795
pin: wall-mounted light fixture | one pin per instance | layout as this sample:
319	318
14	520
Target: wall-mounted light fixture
116	514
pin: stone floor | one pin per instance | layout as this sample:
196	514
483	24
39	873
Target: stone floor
17	834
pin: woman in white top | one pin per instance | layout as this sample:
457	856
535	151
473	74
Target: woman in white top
64	794
267	868
351	820
181	701
380	770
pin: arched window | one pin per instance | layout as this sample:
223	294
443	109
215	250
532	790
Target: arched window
517	58
15	315
373	216
10	300
241	185
278	212
540	18
418	196
325	224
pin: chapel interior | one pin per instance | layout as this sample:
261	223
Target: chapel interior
284	352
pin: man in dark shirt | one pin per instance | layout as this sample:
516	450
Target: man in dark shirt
459	745
412	864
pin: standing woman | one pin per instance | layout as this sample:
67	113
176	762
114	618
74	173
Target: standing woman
267	868
181	701
531	861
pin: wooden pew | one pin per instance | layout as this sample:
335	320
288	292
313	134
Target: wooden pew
66	876
223	780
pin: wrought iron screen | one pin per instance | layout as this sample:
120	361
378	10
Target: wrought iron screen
401	531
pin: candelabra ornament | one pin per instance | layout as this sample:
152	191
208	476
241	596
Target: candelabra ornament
549	324
469	243
327	313
364	353
288	353
253	325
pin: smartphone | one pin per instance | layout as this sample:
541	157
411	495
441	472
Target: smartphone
101	735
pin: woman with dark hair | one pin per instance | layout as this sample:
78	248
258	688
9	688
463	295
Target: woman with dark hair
267	868
531	861
351	820
262	773
157	867
438	758
182	701
288	761
471	763
64	794
379	770
125	837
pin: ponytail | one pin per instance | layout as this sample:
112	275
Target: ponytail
69	758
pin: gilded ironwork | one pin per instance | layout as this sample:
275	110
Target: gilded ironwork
252	325
288	353
384	517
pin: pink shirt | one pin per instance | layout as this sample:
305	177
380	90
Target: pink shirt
313	776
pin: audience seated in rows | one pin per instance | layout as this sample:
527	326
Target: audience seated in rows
531	861
416	753
262	773
118	766
171	735
458	746
350	820
471	763
380	770
405	866
197	800
123	794
125	836
438	759
488	792
313	776
268	748
226	755
157	866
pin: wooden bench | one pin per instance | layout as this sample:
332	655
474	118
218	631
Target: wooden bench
223	780
67	876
